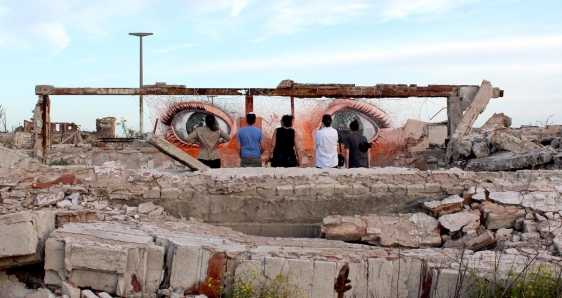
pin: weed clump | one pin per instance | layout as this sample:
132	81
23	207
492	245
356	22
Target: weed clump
541	281
254	285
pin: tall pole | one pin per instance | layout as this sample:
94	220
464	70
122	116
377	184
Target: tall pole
141	103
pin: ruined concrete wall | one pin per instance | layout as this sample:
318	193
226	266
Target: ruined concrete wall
280	195
105	127
131	158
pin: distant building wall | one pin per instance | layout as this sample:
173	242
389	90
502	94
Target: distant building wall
105	127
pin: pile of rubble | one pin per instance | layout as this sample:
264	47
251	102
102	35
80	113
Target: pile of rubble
482	218
497	147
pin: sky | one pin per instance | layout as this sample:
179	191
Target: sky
516	45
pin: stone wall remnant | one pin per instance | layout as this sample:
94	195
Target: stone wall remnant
105	127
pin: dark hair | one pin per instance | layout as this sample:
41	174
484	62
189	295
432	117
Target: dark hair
354	125
327	120
251	119
287	120
211	122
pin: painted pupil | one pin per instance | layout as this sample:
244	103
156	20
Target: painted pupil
341	120
196	119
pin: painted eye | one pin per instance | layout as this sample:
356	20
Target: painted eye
185	122
183	118
371	120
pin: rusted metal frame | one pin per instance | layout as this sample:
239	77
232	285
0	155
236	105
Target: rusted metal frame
292	106
249	104
379	91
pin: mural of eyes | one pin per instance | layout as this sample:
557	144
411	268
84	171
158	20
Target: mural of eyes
371	120
183	118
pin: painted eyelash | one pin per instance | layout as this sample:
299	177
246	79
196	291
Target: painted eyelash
169	115
376	116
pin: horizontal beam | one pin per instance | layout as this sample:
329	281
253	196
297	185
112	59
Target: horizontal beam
299	91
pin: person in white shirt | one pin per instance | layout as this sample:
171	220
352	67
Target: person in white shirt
326	144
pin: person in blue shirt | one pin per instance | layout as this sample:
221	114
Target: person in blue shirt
250	143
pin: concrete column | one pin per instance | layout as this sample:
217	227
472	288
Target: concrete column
46	125
454	114
38	129
292	106
249	104
42	127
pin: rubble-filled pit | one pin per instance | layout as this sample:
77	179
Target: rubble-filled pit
145	233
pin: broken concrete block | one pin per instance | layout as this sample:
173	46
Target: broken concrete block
88	294
41	293
503	218
70	289
343	228
508	142
542	201
110	259
462	148
506	197
511	161
449	205
531	236
47	199
444	283
410	230
156	212
65	217
104	295
174	152
23	237
481	150
530	226
480	241
145	208
503	234
497	121
456	221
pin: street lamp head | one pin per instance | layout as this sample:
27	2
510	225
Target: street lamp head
141	34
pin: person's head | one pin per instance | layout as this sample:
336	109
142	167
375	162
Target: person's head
251	118
287	120
327	120
354	125
211	122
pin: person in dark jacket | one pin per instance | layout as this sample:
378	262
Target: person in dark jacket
356	147
284	146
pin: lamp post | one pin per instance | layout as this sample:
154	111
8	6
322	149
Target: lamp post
141	35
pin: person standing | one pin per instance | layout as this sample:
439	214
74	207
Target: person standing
250	143
209	137
284	148
326	142
356	148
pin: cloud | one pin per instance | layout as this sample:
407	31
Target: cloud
289	16
53	32
27	24
393	9
475	55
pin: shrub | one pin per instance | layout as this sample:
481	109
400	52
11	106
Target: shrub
60	162
541	281
254	285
